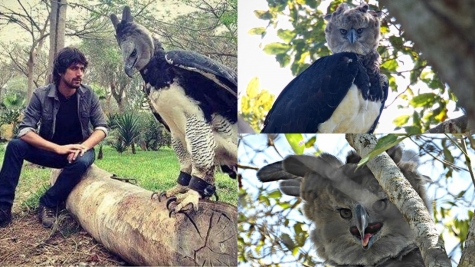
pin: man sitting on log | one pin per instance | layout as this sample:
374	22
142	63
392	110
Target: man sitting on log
64	109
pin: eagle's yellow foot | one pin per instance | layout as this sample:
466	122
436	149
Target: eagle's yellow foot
191	197
177	189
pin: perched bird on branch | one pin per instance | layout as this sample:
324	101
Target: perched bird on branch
354	222
195	98
340	93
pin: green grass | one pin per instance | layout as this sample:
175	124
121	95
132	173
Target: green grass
153	170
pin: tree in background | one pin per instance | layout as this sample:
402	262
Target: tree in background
206	27
304	43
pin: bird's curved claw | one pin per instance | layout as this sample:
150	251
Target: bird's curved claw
171	212
162	194
156	195
170	200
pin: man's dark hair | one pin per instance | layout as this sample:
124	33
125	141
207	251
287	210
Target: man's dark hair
64	59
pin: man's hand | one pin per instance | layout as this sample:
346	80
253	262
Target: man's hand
73	151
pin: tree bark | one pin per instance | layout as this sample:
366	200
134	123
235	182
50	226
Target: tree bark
125	219
57	27
454	126
441	30
468	255
406	199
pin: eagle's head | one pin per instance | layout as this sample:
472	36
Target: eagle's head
353	29
354	222
135	42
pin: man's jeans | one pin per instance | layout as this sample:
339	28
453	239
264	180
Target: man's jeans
19	150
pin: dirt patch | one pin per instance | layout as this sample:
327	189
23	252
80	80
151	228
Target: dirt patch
26	242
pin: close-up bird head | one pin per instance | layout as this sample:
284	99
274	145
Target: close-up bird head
354	221
135	42
353	29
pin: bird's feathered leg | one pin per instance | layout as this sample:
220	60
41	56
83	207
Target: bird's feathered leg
201	144
184	177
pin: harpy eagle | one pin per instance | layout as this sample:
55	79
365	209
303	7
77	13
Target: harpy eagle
340	93
354	222
195	98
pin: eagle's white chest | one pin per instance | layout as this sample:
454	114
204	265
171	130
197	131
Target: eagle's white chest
174	105
353	114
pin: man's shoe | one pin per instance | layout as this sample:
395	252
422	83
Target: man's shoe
5	215
47	216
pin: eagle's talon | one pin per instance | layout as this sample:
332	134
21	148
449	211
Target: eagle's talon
162	194
170	200
155	194
172	211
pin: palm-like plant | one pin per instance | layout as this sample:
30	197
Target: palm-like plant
128	129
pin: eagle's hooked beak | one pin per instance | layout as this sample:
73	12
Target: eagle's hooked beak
129	71
364	231
361	220
351	36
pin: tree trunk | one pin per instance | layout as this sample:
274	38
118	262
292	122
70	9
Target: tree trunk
31	68
57	26
125	219
468	255
443	31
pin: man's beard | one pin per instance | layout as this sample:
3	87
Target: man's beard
71	85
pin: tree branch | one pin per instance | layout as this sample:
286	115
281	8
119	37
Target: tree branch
453	126
406	199
439	29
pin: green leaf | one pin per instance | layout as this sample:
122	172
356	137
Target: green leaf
384	143
311	3
396	41
411	130
287	241
295	141
276	48
286	35
263	14
390	65
461	193
257	31
401	120
275	194
310	142
422	100
283	59
284	205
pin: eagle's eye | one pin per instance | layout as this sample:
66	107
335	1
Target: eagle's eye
343	31
345	213
380	205
359	31
134	53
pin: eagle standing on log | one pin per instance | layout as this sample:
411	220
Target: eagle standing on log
195	98
341	93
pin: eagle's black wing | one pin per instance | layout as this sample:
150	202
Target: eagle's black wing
311	97
384	83
210	83
207	67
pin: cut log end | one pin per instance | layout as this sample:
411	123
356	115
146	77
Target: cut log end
129	223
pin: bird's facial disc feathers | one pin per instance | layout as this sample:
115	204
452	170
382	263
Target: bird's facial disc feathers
353	30
355	223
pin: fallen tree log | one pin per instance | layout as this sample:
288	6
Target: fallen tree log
124	218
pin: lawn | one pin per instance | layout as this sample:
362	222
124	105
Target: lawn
153	170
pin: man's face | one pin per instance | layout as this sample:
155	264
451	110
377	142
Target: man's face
72	77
